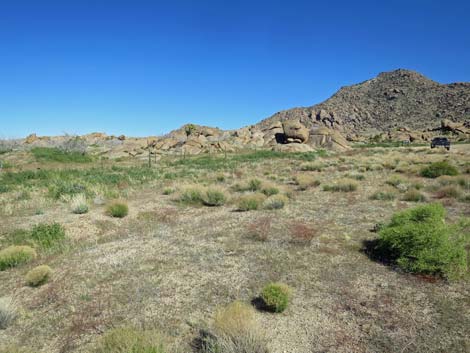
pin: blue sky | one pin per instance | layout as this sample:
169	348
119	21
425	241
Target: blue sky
146	67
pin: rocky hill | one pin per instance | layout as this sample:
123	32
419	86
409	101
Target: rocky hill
392	100
401	105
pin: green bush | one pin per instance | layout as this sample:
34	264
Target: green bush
251	202
38	276
214	197
117	209
276	296
47	236
419	240
129	340
437	169
15	255
47	154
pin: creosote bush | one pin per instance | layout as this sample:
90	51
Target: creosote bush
342	185
437	169
78	204
16	255
251	202
117	209
419	240
8	312
276	296
275	202
38	276
130	340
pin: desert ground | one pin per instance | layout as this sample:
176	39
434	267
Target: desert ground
173	260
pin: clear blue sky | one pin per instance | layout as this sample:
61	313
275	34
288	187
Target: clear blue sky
146	67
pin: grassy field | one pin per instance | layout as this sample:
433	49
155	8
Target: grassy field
135	253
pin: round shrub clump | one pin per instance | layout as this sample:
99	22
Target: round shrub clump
276	297
251	202
214	197
78	204
418	240
437	169
275	202
38	276
130	340
16	255
117	209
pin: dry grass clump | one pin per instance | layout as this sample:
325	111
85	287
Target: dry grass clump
250	185
384	195
15	255
260	229
130	340
214	196
313	167
251	202
192	194
276	297
275	202
395	181
449	191
118	209
301	233
38	276
168	191
305	181
269	189
235	331
78	204
342	185
8	312
13	349
414	195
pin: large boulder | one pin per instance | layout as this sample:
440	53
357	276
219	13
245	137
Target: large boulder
328	138
295	130
293	147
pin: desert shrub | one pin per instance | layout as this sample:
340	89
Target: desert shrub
383	195
192	194
305	181
168	191
260	229
342	185
38	276
118	209
47	154
414	195
78	204
419	240
251	202
437	169
15	255
276	296
448	191
356	176
254	185
48	236
301	233
235	330
395	181
214	197
275	202
8	312
129	340
269	189
312	167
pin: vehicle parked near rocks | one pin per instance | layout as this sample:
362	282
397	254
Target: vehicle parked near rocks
440	141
